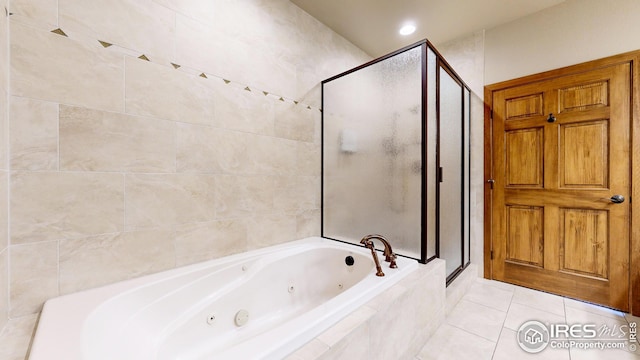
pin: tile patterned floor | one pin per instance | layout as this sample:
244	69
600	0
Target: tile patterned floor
484	324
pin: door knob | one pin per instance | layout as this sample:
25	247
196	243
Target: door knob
551	118
617	199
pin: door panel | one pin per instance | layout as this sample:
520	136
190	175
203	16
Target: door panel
524	106
524	235
583	97
553	227
524	147
584	155
583	242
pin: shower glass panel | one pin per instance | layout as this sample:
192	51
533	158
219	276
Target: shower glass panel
432	152
467	175
451	165
373	152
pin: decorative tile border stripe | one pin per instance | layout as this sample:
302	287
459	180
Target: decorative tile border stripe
128	52
59	32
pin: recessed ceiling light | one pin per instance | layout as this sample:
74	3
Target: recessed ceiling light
407	29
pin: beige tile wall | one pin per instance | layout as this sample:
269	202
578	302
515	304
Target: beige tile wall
120	167
4	174
47	66
34	140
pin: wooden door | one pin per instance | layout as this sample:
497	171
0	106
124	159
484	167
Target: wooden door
561	151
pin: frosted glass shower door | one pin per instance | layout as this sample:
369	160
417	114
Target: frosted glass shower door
372	152
451	162
396	155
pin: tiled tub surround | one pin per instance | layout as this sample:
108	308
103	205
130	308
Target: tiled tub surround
118	167
292	293
394	325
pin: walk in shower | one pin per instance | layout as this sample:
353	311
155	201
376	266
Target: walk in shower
395	156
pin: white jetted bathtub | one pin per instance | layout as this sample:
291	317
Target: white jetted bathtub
263	304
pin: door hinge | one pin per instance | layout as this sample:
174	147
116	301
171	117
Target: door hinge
491	254
440	174
491	182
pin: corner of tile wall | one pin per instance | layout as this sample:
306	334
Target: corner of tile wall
15	339
459	287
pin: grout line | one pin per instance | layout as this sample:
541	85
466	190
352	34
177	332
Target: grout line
57	267
175	246
57	171
564	301
176	129
7	273
470	333
58	136
502	328
174	56
124	202
124	85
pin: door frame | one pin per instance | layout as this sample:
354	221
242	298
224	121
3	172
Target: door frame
633	58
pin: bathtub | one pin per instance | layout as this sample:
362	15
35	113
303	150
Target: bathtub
262	304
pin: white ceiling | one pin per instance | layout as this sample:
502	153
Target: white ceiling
373	25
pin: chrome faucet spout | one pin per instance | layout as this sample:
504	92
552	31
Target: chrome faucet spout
390	256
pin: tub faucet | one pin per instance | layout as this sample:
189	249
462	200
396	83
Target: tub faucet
390	257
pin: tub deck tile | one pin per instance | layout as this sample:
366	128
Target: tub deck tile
346	326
